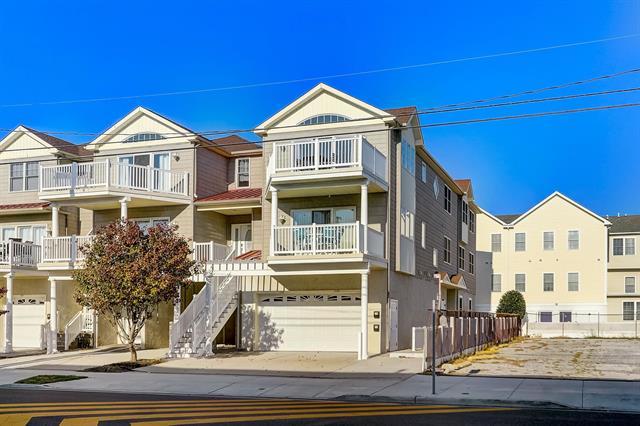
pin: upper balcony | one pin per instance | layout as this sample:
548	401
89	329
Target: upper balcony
104	178
327	158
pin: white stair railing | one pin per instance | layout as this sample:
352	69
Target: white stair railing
82	322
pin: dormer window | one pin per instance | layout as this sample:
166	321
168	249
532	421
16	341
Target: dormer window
323	119
143	137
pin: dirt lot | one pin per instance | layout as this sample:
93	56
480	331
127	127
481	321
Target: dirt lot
557	357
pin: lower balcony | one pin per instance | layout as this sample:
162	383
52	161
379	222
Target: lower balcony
327	239
65	250
17	254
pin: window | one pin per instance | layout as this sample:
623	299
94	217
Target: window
423	235
460	303
629	246
323	119
147	223
423	171
545	316
447	250
436	187
472	263
24	176
465	213
496	283
408	157
435	257
461	258
629	285
521	282
407	219
242	172
574	240
447	199
471	304
618	246
31	233
521	241
565	316
141	137
472	221
547	281
627	311
496	243
323	216
548	238
573	281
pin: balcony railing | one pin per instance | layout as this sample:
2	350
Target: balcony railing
64	249
326	153
18	254
210	252
104	175
326	239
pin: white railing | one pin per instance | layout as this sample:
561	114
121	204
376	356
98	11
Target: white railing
82	322
16	253
375	243
104	174
316	239
64	249
187	318
210	252
374	161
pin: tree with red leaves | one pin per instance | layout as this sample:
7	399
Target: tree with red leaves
129	271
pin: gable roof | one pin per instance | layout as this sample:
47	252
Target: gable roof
313	93
233	144
64	147
508	218
624	224
403	114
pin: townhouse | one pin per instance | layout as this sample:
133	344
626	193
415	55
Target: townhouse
335	232
555	254
623	291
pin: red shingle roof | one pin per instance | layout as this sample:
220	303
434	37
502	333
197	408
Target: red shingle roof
404	114
23	206
464	184
60	144
234	194
234	144
251	255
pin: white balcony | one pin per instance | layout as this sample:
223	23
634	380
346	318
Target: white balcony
327	154
104	176
210	252
16	254
341	238
64	249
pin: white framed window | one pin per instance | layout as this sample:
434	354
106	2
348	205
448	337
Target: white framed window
496	283
574	240
26	233
243	166
629	246
521	241
447	250
618	246
24	176
323	119
143	137
407	223
628	313
461	254
629	285
472	221
548	240
435	257
148	222
447	199
423	235
324	215
465	213
573	281
423	171
547	281
496	243
521	282
472	263
408	152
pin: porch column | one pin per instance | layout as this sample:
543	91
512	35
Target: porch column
53	318
274	219
8	317
364	316
177	304
124	204
55	220
364	214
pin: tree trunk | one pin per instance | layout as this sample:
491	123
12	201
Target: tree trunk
132	349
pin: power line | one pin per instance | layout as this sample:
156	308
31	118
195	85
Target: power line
325	77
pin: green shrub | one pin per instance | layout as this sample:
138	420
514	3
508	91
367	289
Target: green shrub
512	302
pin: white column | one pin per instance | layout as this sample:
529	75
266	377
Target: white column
8	317
124	203
274	219
53	318
177	305
364	214
364	316
55	220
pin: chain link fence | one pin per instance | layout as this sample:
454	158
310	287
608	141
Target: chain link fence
581	324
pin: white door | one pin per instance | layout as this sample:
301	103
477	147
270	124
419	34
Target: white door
241	238
161	176
28	318
393	325
309	322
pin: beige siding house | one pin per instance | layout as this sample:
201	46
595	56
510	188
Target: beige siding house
623	293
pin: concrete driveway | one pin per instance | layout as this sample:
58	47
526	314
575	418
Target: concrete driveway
558	357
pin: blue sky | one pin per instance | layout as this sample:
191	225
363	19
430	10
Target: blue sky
53	51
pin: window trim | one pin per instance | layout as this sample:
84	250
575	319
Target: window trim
634	311
553	241
515	281
553	276
613	246
423	235
492	283
447	250
472	221
515	242
46	227
569	239
24	176
237	174
448	201
471	260
624	284
569	273
624	246
424	175
462	253
491	242
332	209
342	118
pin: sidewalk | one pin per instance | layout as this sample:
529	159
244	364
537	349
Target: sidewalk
599	395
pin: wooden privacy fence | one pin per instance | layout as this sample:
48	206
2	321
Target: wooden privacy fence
465	335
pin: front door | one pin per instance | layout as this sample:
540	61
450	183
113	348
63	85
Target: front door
393	325
241	238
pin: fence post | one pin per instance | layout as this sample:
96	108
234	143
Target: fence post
598	324
433	349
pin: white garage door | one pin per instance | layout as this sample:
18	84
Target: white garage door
28	318
310	322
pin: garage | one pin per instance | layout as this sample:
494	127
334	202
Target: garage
28	318
309	322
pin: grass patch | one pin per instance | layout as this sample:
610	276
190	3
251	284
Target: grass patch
122	367
48	378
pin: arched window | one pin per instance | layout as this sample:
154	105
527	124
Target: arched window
323	119
140	137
